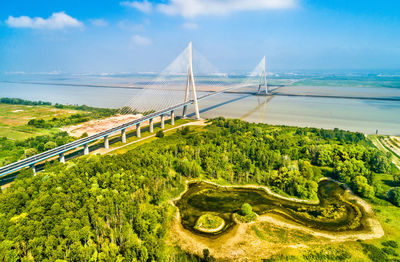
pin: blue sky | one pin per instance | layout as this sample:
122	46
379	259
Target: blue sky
138	36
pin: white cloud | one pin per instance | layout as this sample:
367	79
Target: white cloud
190	26
193	8
99	22
58	20
144	6
141	40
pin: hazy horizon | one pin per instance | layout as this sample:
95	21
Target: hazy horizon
143	36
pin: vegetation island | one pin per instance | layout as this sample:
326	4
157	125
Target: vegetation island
123	205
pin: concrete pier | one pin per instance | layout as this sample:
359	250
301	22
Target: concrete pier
86	149
138	130
106	143
172	117
61	158
184	112
162	121
33	169
123	136
151	123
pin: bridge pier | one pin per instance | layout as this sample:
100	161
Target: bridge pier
172	117
61	158
151	123
138	130
106	143
123	136
184	111
86	149
162	121
33	169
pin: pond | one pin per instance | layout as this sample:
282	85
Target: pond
333	212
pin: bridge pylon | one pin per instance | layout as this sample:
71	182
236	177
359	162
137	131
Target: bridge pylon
263	84
190	84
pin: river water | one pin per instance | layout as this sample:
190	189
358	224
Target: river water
350	114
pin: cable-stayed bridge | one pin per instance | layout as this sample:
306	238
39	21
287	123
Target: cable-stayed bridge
164	98
182	67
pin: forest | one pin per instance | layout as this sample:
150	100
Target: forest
115	207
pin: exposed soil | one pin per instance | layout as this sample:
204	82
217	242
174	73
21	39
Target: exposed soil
243	244
95	126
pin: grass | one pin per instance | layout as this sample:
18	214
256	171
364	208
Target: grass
14	119
209	221
259	233
275	234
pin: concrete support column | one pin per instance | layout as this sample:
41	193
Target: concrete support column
151	123
162	121
123	136
184	112
172	117
33	169
61	158
86	149
106	143
138	130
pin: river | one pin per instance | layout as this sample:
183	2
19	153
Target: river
365	115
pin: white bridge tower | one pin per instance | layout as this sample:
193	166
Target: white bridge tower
190	83
263	78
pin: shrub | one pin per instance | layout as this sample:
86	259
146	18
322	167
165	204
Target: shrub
185	130
246	209
160	134
246	214
327	254
390	251
390	243
374	253
394	196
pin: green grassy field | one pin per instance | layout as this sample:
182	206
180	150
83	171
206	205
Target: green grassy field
14	119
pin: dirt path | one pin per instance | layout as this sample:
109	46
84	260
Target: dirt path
241	243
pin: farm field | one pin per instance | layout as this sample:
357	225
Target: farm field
14	120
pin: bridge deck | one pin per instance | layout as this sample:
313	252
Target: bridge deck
80	142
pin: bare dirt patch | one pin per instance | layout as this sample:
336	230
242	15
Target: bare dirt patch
95	126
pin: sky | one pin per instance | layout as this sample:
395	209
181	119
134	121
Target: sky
111	36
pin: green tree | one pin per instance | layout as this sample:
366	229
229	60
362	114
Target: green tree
8	251
50	145
31	152
362	187
394	196
349	169
246	209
